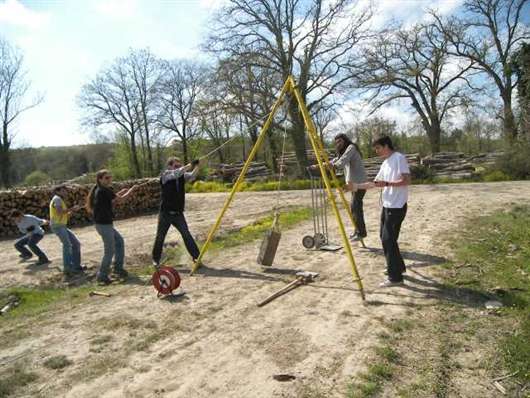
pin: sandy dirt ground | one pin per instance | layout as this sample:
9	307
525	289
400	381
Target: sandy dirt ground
139	233
214	341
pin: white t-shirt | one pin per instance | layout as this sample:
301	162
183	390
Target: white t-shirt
391	171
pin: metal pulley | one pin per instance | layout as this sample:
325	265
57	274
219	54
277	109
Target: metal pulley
165	280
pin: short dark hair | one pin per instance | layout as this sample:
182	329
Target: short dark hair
384	141
16	213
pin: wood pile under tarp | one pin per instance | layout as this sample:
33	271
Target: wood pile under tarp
35	200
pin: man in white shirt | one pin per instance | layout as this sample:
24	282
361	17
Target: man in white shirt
394	178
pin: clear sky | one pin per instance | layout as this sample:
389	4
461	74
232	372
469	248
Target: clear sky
66	42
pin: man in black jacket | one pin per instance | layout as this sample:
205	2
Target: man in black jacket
173	196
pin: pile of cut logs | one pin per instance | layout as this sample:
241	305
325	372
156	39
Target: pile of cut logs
449	164
456	165
372	165
258	171
36	201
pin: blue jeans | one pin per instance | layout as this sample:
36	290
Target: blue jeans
113	248
71	248
31	241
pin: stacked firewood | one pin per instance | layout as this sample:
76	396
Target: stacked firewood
36	201
456	165
257	171
372	165
449	164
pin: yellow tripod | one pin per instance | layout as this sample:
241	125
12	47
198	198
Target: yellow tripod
323	164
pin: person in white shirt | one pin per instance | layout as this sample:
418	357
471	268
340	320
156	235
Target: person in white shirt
31	227
394	178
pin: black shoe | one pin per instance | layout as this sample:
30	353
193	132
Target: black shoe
122	274
104	281
42	261
82	268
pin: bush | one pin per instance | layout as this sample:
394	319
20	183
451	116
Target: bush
37	178
496	175
421	173
516	161
208	186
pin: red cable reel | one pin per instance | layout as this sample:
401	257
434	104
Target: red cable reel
165	280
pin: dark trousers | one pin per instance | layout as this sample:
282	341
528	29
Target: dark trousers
391	220
358	212
165	220
30	241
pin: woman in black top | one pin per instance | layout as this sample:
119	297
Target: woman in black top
99	204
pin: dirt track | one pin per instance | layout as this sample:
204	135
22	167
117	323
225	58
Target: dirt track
215	342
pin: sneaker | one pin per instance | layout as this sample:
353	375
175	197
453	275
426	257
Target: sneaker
42	261
403	272
355	237
122	274
156	264
389	283
104	281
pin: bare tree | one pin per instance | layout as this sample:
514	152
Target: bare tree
413	64
146	73
14	88
488	35
111	100
249	91
180	89
310	39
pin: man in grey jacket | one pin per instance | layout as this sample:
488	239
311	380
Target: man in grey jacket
349	158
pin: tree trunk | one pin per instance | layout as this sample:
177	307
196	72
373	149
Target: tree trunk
297	133
148	145
5	160
509	125
134	155
185	150
275	161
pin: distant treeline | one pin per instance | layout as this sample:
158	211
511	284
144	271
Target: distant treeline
35	166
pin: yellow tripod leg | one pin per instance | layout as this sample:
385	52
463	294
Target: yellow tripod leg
313	137
239	181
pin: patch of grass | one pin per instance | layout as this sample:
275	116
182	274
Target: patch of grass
380	371
258	228
125	322
387	353
400	325
57	362
14	379
495	262
97	366
35	301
